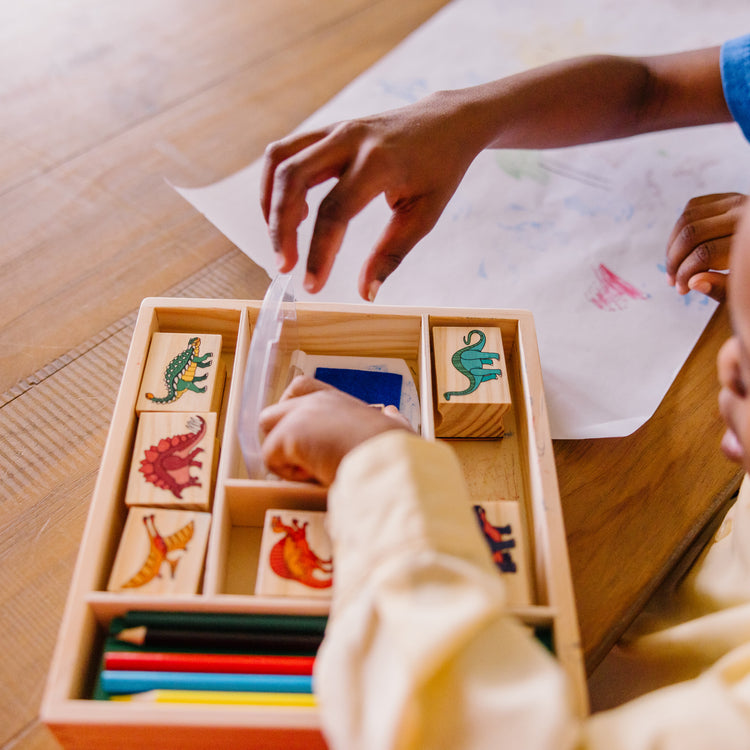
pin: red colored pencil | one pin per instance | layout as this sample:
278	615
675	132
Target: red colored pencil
224	663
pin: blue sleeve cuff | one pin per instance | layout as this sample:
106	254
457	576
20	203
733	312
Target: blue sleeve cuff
735	78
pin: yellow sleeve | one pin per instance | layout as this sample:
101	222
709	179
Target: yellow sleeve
420	653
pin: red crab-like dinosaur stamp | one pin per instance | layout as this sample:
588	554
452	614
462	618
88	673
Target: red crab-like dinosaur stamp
295	557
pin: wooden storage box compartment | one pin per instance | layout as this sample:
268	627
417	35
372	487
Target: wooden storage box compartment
517	467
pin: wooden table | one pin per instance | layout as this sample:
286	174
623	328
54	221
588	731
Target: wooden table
101	101
635	507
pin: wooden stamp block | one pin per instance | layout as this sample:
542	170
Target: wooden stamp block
295	555
471	382
174	459
161	552
500	522
183	372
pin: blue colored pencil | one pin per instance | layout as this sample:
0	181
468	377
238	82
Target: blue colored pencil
118	682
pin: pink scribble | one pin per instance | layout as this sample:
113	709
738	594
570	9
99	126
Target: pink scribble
611	292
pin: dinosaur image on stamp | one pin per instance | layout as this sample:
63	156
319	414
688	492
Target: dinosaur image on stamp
471	382
161	552
500	540
501	526
167	464
173	460
295	556
470	361
183	373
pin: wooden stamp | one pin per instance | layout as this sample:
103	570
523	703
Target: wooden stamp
500	522
161	552
471	382
295	555
183	372
174	460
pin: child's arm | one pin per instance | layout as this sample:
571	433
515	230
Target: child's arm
420	652
417	155
698	248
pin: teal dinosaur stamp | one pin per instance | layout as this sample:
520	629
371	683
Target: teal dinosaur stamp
180	374
470	361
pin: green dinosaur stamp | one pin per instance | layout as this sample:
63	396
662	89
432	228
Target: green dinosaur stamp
470	361
471	381
180	374
183	372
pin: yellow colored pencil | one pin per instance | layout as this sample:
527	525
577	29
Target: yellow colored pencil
219	697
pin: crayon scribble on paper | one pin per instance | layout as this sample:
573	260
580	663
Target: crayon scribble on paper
522	165
610	292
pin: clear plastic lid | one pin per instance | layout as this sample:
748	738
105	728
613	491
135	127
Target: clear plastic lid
274	337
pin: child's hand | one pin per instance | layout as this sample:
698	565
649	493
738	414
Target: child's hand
416	156
313	426
698	247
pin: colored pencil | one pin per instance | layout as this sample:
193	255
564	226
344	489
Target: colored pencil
221	621
123	681
234	663
220	697
278	642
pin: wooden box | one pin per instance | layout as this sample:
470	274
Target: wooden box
516	468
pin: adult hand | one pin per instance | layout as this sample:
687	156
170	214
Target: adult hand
698	248
415	156
313	426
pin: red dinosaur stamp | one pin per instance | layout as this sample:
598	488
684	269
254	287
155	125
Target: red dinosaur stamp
291	557
297	556
167	464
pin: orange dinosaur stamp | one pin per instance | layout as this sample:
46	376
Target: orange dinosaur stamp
295	555
160	552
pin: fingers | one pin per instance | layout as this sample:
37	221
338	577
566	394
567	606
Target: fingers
406	154
710	283
409	223
705	256
284	448
310	430
356	187
275	154
302	385
701	246
732	393
400	420
292	167
700	242
295	165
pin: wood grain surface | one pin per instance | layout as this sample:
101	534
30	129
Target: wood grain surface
102	103
635	506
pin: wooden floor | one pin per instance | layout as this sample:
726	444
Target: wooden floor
101	102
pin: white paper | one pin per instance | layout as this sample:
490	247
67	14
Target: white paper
577	236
